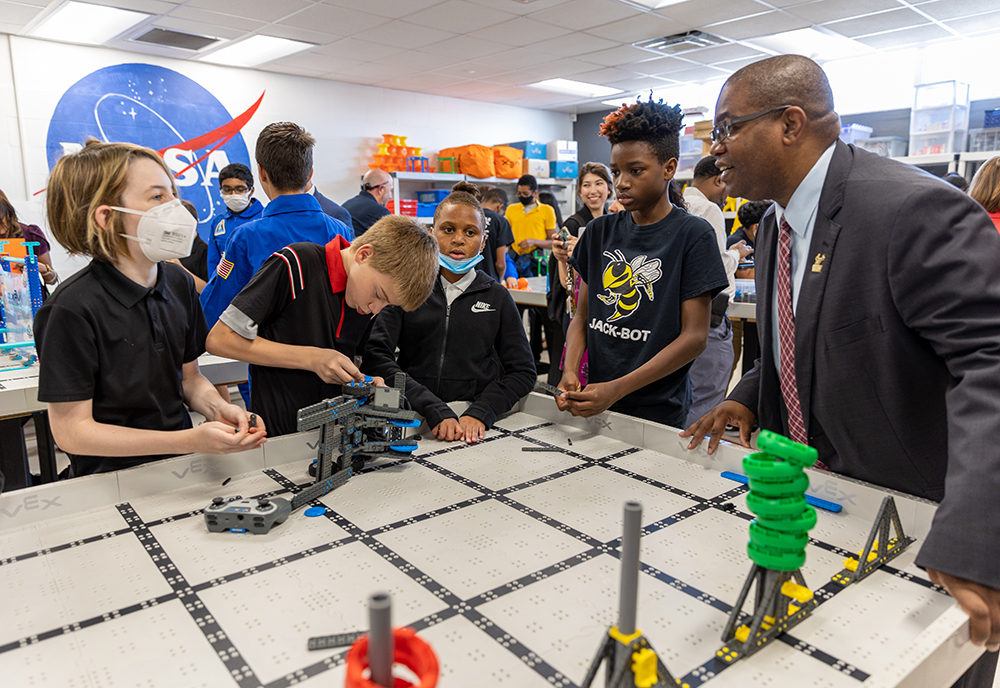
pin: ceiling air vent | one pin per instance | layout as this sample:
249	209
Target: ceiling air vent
175	39
680	42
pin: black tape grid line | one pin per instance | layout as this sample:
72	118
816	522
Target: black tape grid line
455	606
217	638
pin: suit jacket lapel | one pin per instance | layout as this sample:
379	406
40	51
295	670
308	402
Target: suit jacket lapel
820	261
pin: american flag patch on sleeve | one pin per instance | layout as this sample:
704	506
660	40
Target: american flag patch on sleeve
225	267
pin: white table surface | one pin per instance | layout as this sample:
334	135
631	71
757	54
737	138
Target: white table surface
19	386
504	561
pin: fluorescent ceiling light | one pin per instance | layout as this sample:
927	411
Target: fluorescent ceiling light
817	45
78	22
574	88
256	50
652	4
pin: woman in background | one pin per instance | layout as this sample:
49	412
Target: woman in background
10	228
985	188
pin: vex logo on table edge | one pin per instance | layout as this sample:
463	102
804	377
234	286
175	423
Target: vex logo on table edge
31	503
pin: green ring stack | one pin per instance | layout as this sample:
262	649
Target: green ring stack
779	534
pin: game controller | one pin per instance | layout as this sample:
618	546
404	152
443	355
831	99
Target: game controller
238	515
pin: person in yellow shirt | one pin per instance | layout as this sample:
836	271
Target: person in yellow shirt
533	225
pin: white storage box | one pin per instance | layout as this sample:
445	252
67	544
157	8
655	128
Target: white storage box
562	151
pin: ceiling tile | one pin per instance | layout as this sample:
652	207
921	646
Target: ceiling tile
641	83
574	44
567	68
544	99
357	50
287	69
520	31
261	10
660	65
16	14
918	34
876	23
703	12
518	78
391	9
761	25
954	9
336	20
735	65
520	7
418	60
208	17
586	14
472	70
459	16
348	78
340	65
832	10
199	28
321	64
624	54
722	53
149	6
417	82
782	4
402	34
981	23
518	58
508	94
638	28
378	72
700	74
463	47
466	89
296	34
609	76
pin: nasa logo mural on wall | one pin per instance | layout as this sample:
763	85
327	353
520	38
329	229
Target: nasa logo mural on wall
164	110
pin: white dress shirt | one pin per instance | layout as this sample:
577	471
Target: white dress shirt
801	217
453	291
698	204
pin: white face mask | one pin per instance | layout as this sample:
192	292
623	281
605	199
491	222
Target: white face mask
165	232
237	202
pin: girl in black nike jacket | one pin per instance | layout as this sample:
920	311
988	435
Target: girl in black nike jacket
466	342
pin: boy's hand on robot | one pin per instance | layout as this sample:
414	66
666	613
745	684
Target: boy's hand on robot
473	429
334	368
448	430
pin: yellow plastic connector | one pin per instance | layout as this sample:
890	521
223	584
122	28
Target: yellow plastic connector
644	668
623	639
799	593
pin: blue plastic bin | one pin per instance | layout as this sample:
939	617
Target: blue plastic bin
426	209
432	195
563	170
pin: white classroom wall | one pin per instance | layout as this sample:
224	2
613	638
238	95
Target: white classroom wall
346	119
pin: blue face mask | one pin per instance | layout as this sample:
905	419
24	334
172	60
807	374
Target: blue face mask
459	267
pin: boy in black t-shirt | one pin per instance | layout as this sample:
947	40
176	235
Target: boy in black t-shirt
648	276
306	314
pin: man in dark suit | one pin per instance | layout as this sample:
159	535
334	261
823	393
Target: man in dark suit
329	207
878	308
368	207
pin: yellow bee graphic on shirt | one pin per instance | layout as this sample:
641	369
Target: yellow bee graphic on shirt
625	281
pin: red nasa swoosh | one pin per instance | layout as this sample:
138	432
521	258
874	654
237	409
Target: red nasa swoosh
220	136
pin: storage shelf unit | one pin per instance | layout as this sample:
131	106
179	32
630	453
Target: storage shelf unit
563	189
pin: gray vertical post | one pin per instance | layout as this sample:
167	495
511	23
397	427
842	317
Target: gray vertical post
628	594
380	642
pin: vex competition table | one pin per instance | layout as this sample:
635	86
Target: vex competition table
19	398
505	561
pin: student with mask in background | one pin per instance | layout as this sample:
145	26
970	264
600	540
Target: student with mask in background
236	187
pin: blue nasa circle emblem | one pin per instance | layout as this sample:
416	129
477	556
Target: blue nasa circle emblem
158	108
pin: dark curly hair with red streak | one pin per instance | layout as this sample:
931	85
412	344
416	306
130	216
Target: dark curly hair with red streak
654	123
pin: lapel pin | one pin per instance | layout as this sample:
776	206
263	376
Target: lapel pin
818	263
